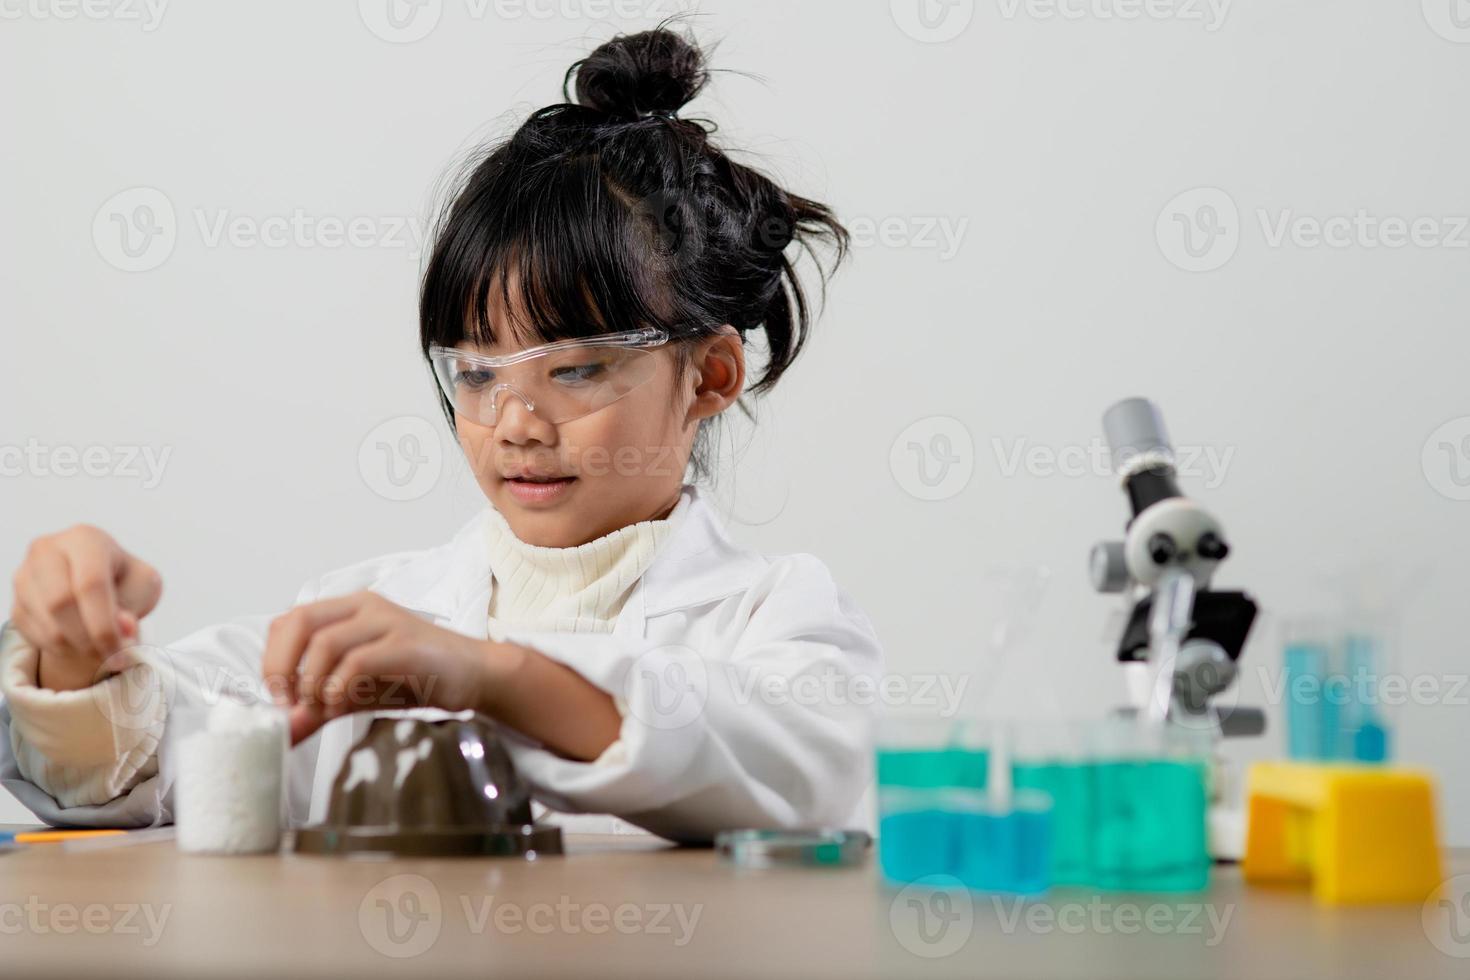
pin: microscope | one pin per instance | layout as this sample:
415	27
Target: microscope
1183	638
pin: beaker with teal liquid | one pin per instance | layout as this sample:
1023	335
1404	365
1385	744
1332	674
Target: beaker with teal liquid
1152	814
1129	801
1052	758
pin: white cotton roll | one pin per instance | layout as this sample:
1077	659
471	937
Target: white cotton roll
230	761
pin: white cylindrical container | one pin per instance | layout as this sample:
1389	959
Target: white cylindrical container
230	761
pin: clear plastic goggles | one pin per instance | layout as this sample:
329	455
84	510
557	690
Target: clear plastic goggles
559	382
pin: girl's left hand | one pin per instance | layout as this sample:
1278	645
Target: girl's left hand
329	658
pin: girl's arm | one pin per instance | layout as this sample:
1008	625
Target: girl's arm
768	724
549	702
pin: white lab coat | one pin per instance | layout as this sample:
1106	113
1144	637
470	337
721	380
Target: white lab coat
745	683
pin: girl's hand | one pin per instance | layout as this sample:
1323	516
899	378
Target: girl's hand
78	600
329	658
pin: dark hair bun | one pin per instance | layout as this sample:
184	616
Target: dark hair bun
633	75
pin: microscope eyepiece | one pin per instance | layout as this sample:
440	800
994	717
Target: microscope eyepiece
1141	453
1135	430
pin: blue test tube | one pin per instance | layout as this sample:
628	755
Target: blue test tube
1307	721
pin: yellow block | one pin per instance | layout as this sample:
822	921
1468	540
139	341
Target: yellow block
1358	834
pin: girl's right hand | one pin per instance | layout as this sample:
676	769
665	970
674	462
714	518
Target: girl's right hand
78	600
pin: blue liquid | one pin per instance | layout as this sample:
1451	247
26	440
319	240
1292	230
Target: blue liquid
1370	743
1305	667
1009	852
1004	853
1331	708
916	843
1366	738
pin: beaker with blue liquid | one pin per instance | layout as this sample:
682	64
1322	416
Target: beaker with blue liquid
946	807
1333	683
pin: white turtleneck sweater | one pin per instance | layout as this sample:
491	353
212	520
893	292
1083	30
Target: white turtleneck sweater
73	751
569	590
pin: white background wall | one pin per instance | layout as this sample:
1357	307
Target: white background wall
1049	142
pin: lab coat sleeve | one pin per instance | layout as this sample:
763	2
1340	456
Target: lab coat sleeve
83	747
100	757
769	726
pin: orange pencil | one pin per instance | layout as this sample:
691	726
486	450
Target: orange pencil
53	836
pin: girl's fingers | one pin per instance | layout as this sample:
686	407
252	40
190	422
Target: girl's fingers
346	691
368	660
91	584
327	647
41	632
51	599
139	586
287	639
304	720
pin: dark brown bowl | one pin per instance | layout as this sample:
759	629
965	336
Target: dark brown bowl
413	786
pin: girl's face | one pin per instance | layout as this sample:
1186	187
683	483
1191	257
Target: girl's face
621	464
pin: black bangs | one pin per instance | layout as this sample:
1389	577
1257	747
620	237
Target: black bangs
538	250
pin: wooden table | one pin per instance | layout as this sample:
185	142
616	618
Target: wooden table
615	907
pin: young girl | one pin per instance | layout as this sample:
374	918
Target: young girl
585	312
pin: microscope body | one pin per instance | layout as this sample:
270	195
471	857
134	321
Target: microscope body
1178	625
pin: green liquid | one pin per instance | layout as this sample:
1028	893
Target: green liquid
933	768
1151	826
1135	825
1071	790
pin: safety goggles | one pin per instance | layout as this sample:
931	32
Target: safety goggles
558	382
